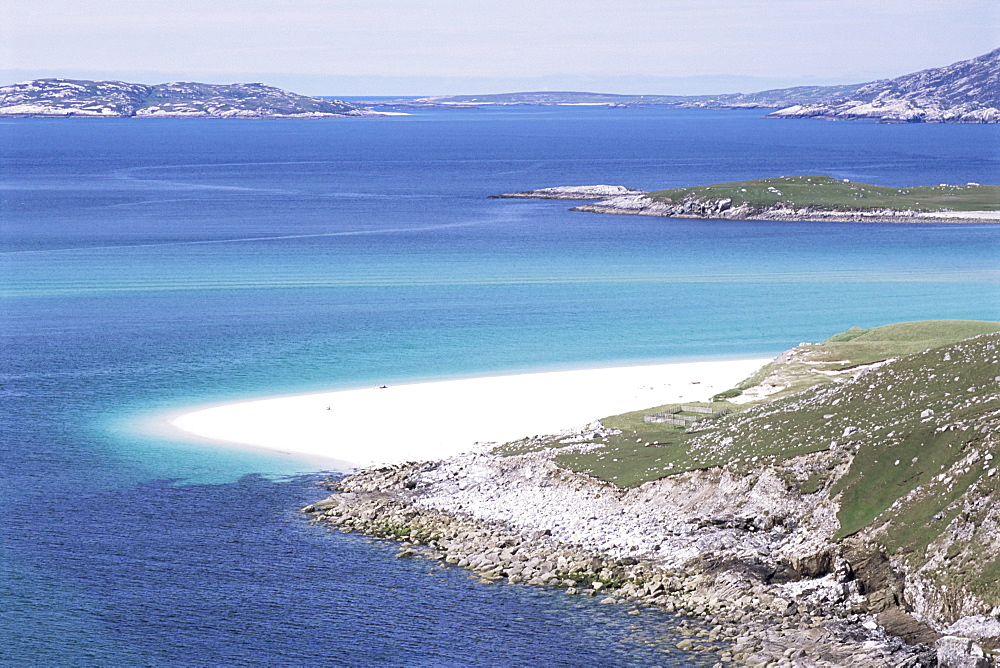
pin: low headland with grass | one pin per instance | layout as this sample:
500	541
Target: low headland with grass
811	198
837	507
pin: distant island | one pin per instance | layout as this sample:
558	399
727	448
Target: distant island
119	99
768	99
815	198
964	92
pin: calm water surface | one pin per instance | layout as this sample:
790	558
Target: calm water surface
153	265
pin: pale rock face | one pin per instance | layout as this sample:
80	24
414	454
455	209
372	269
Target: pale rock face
67	97
575	192
957	652
964	92
977	627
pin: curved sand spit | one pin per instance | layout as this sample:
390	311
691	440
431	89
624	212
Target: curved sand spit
440	419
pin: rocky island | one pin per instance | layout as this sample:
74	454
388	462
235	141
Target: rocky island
837	508
804	198
119	99
964	92
767	99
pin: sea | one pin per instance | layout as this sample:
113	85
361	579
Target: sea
152	266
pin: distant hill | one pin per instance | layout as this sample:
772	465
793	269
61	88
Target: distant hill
773	99
964	92
111	99
549	98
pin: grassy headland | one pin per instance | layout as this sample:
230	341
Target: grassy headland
899	426
853	479
825	193
798	404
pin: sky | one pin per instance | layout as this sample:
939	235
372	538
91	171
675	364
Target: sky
433	47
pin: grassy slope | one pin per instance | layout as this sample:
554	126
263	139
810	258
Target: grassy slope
910	447
938	503
919	437
792	424
826	193
809	365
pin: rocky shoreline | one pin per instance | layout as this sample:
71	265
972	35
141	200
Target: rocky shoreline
763	584
600	192
620	200
724	209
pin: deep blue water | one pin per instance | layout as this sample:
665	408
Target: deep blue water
152	265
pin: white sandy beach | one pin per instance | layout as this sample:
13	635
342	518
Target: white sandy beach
439	419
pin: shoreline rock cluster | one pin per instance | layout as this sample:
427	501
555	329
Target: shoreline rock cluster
574	192
763	585
621	200
726	209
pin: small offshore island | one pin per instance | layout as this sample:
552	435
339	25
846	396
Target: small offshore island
835	508
807	198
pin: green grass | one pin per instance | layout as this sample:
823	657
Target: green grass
809	364
642	451
826	193
913	442
863	346
987	580
906	449
796	423
875	480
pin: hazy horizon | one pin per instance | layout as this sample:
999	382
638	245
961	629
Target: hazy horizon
388	87
447	47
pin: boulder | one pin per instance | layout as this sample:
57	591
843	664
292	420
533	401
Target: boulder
959	652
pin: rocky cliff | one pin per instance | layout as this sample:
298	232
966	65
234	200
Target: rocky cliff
111	99
964	92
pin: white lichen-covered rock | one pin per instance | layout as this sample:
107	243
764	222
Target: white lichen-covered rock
74	97
725	209
958	652
575	192
964	92
977	627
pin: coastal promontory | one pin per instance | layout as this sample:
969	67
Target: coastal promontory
119	99
804	198
964	92
836	508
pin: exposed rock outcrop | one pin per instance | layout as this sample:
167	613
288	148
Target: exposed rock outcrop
725	209
721	548
111	99
573	192
964	92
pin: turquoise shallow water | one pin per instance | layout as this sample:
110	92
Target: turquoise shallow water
150	266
